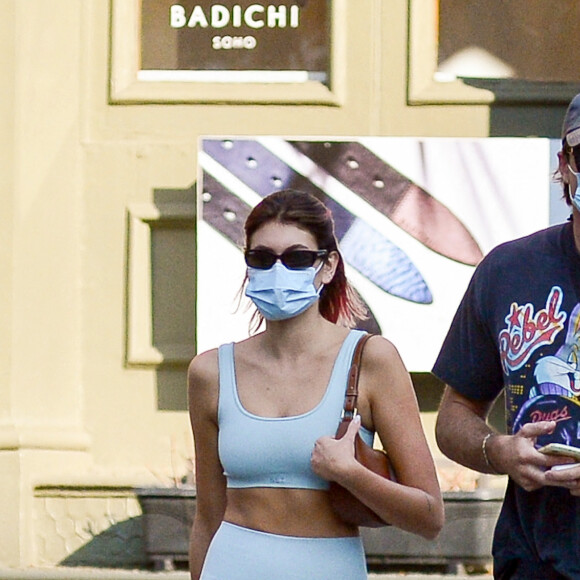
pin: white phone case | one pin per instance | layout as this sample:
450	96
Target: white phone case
561	449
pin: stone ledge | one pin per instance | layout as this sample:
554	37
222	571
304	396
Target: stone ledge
74	573
69	573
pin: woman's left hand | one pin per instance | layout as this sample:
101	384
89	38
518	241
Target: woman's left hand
331	457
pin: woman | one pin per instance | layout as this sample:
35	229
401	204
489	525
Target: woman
263	412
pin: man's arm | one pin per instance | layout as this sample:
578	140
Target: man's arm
462	429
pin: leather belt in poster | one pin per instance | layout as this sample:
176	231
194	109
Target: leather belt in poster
256	167
402	201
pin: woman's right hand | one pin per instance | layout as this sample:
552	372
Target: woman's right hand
332	457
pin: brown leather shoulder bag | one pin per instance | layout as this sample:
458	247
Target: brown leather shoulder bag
345	504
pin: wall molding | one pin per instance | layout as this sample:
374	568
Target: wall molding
141	348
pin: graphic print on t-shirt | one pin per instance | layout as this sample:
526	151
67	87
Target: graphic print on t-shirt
526	331
545	387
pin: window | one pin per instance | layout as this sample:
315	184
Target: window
234	51
514	50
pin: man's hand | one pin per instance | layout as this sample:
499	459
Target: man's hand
565	475
517	456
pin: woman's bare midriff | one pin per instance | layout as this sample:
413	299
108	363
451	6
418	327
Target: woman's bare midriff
287	512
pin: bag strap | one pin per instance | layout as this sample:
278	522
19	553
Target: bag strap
353	374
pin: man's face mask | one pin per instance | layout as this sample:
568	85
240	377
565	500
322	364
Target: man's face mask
575	195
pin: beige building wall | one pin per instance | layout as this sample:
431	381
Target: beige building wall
92	380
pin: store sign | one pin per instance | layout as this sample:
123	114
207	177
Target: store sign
250	37
255	16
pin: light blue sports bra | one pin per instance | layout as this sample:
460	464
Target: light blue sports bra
275	452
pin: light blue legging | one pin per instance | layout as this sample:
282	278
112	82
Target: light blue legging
237	553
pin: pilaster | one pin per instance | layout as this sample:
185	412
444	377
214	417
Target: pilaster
41	402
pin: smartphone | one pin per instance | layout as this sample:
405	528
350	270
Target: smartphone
561	449
563	466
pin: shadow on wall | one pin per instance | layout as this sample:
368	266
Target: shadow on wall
160	291
173	278
120	546
513	121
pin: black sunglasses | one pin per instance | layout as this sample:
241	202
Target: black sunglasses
292	259
575	153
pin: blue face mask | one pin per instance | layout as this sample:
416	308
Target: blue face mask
576	196
281	293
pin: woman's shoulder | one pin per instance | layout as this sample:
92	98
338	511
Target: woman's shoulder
203	386
203	369
379	349
381	360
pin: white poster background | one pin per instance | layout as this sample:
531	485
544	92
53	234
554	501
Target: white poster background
500	188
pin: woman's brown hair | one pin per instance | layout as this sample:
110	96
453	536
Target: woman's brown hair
339	302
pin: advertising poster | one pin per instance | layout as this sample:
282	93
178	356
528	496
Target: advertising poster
413	218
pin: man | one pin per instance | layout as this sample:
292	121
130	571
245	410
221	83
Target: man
518	330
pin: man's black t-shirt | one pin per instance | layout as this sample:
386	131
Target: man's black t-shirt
518	329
